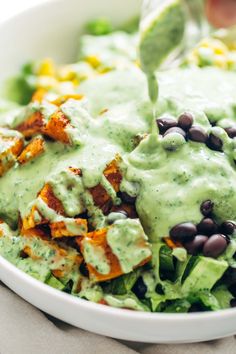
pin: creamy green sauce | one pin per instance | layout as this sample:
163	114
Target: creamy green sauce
128	302
69	188
150	166
95	255
178	179
126	235
46	257
52	216
160	32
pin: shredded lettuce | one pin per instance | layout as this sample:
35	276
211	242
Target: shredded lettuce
20	88
123	284
99	26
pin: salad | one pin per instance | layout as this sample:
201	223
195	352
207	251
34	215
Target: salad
102	201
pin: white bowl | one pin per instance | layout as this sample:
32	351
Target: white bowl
51	29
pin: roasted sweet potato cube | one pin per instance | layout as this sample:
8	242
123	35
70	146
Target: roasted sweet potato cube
105	260
56	127
100	195
78	227
32	125
113	175
32	150
172	244
17	145
63	259
10	148
60	273
97	239
28	252
50	199
62	99
34	217
42	231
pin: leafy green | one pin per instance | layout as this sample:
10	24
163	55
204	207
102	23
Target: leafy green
19	89
184	268
128	301
208	300
99	27
177	306
123	284
205	273
55	283
166	259
223	296
180	253
102	26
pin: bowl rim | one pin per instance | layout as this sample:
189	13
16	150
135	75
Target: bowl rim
22	11
109	310
89	305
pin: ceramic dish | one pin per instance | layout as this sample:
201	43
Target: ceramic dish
37	33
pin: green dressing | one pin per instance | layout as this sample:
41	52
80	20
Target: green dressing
127	241
96	257
161	31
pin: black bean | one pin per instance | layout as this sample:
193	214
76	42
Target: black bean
196	245
129	210
165	123
197	134
214	143
206	207
183	232
233	302
84	270
116	215
207	226
175	130
228	227
231	132
140	288
215	246
127	198
185	121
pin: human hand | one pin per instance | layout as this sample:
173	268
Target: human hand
221	13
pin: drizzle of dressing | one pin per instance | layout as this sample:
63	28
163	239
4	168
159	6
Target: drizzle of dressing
161	31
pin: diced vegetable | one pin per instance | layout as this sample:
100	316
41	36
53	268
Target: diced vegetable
32	150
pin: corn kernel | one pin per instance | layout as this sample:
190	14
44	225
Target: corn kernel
93	60
47	68
220	61
231	60
65	73
75	82
46	82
